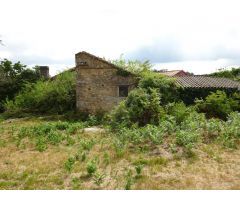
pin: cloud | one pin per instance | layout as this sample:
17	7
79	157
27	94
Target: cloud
164	50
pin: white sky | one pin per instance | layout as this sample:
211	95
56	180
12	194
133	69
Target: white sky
199	36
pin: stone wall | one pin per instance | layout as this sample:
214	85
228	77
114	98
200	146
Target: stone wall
98	84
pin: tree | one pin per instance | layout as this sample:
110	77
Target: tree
13	77
234	73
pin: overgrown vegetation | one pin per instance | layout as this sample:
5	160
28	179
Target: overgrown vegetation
234	73
151	131
13	77
51	96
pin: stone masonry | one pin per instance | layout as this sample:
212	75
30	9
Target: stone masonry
99	85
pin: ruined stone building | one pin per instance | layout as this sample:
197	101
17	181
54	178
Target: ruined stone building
100	85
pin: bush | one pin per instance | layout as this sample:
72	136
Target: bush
165	86
231	134
13	76
194	122
53	96
217	104
141	107
179	110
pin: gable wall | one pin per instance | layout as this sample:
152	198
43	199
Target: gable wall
97	85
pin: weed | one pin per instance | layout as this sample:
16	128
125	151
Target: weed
70	141
83	156
91	167
87	144
69	164
76	183
41	144
187	139
54	137
129	180
139	168
106	158
158	161
2	143
119	147
98	178
62	125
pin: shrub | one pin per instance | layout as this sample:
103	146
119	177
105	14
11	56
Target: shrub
213	128
141	107
194	122
231	134
165	86
217	104
144	107
119	117
53	96
13	76
154	133
179	110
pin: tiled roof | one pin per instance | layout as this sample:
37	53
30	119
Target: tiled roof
206	82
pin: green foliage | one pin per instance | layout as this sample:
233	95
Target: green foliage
53	96
231	133
41	144
13	77
234	73
166	86
119	146
48	133
217	104
187	139
139	168
98	178
87	144
129	180
144	107
179	110
91	167
141	107
131	66
106	158
69	164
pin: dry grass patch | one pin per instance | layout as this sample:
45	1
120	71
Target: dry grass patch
23	167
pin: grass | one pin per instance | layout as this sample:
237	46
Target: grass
39	154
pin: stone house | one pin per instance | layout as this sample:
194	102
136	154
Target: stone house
100	84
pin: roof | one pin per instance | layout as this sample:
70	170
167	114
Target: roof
100	59
173	73
95	57
198	81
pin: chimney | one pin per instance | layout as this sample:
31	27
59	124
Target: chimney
44	71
